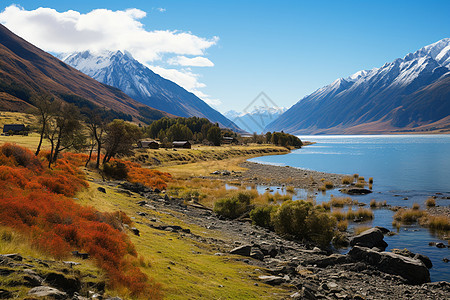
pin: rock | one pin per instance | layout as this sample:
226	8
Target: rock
413	270
257	254
383	229
48	292
166	197
431	244
425	259
333	259
65	283
271	280
372	237
242	250
356	191
445	259
142	203
440	245
101	189
135	187
135	231
157	191
4	294
13	256
268	249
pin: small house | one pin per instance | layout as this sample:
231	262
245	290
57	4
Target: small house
229	140
148	144
181	144
14	128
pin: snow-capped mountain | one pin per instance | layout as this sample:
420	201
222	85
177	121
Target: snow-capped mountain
378	100
122	71
256	120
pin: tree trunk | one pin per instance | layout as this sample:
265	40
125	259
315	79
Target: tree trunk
40	140
90	154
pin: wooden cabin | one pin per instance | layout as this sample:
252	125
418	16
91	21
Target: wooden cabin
14	128
229	140
181	144
148	144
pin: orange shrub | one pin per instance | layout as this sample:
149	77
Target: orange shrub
147	177
34	200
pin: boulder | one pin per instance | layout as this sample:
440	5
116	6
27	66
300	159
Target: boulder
47	292
244	250
423	258
413	270
4	294
370	238
101	189
13	256
356	191
257	254
63	282
135	231
269	249
271	280
333	259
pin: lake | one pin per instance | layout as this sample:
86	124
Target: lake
406	169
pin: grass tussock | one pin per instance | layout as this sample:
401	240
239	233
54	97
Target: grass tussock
439	223
347	179
416	206
430	202
341	201
375	204
362	214
409	215
342	225
360	229
290	189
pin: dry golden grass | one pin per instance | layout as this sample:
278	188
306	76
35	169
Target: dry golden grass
342	225
342	201
347	179
430	202
409	215
360	229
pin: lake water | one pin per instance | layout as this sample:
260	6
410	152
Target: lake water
406	169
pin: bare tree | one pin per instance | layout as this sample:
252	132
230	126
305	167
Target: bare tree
45	107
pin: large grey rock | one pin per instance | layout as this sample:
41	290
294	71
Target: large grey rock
244	250
372	237
333	259
257	254
47	292
413	270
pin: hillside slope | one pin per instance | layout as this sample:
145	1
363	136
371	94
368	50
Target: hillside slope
26	69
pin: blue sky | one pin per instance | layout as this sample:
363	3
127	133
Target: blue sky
287	49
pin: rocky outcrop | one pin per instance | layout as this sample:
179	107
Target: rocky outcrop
47	292
413	270
242	250
370	238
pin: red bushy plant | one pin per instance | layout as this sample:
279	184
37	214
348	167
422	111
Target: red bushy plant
35	200
147	177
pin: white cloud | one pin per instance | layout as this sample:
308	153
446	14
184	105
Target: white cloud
160	9
197	61
103	29
186	79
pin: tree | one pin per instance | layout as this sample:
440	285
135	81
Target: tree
214	135
119	139
64	130
96	121
45	107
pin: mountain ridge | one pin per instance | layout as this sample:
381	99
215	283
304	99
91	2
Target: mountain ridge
122	71
380	97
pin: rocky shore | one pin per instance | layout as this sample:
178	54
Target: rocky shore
276	175
305	271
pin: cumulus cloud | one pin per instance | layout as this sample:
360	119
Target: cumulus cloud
197	61
103	29
187	79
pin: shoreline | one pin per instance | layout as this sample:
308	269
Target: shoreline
272	175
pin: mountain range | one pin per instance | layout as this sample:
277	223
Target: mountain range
121	70
408	94
257	119
26	70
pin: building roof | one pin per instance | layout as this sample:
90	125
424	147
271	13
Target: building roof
13	127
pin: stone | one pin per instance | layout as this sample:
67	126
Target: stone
425	259
65	283
372	237
13	256
333	259
355	191
383	229
244	250
135	231
440	245
271	280
257	254
48	292
101	189
270	250
413	270
4	294
81	255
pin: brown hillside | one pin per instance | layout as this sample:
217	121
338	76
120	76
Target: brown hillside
26	69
